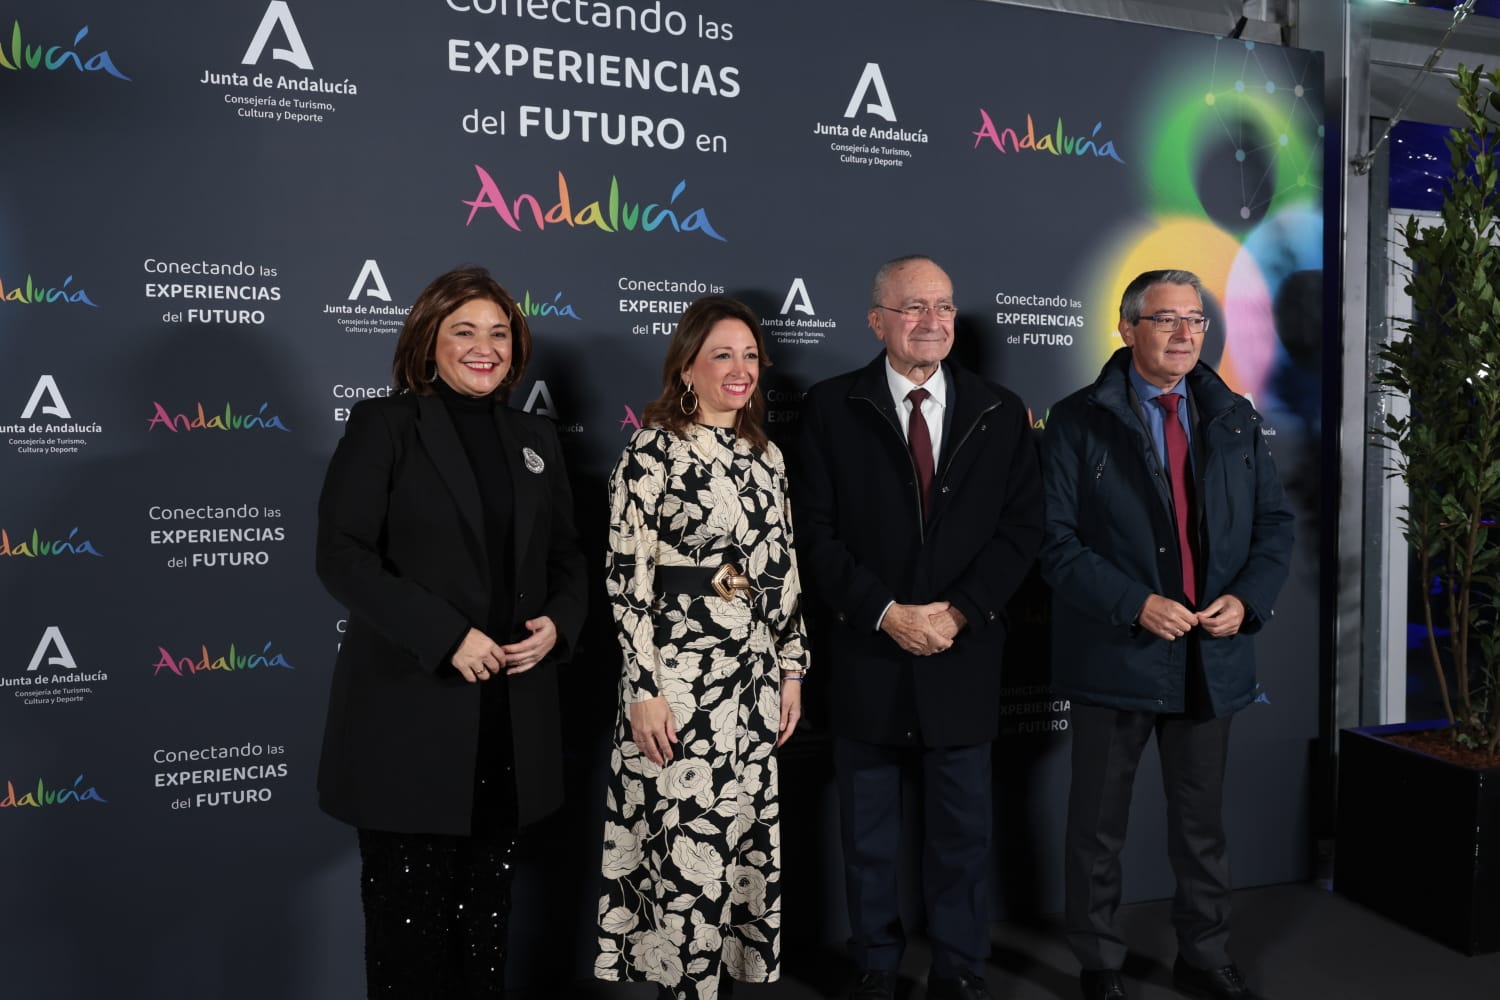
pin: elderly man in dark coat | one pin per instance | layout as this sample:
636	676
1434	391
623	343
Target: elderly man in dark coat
1168	539
918	515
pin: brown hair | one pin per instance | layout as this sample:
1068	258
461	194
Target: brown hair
682	350
413	368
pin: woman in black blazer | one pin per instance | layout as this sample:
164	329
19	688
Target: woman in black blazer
445	526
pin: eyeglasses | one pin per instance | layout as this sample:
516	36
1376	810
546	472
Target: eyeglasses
1168	322
914	312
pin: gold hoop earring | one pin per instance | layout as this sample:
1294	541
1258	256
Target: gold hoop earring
682	403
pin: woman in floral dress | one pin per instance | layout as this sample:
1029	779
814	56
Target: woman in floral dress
711	684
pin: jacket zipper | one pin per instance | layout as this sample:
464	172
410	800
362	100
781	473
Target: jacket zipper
916	487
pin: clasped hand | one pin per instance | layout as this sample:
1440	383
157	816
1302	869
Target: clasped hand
479	657
1170	619
923	629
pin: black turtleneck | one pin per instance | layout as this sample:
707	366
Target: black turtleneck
494	812
474	418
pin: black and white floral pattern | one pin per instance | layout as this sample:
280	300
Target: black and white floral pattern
692	850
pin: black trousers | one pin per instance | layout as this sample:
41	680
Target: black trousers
1107	746
436	913
958	820
437	906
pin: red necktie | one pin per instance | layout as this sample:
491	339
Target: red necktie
1182	491
920	443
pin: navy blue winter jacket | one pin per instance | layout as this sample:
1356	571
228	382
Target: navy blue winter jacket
1111	542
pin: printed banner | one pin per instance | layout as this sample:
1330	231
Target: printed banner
214	218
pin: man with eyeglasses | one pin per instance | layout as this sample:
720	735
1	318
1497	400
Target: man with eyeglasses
918	515
1168	538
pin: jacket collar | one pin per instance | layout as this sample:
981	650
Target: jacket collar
870	384
968	394
440	439
528	481
969	399
1211	395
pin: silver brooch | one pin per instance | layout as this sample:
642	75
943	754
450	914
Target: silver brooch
534	461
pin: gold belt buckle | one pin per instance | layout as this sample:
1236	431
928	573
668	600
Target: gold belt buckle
727	581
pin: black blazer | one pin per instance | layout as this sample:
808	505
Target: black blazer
863	544
401	545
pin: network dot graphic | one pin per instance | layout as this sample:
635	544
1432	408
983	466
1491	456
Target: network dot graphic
1236	169
1261	129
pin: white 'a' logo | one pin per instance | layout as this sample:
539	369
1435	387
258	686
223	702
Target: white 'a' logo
541	395
46	386
797	298
371	282
52	637
278	13
881	105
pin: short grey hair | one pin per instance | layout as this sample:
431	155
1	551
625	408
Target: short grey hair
1135	293
877	291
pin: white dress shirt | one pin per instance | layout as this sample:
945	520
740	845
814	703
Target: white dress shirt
932	407
932	411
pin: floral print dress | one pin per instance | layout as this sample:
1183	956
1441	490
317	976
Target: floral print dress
692	849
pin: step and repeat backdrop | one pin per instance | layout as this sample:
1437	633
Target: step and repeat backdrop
213	219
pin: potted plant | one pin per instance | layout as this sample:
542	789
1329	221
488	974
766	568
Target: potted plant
1419	805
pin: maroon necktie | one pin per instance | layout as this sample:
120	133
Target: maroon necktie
920	443
1182	491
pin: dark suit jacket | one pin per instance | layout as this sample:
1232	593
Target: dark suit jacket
864	544
401	545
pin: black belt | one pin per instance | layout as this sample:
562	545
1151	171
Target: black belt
703	581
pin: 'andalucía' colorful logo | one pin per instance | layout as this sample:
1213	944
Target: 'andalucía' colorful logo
198	420
1058	143
34	294
614	215
22	56
544	307
44	796
234	660
37	547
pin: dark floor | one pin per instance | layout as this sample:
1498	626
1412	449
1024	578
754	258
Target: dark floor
1294	942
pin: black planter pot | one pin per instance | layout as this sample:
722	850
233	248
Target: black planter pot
1419	838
